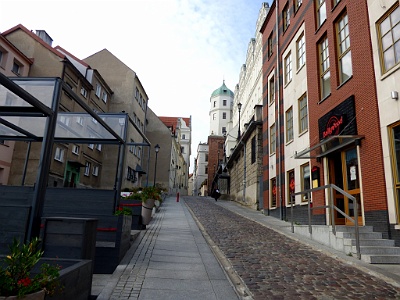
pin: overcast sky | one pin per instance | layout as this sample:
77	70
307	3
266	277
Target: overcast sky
182	50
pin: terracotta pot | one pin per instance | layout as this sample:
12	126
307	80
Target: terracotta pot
147	209
34	296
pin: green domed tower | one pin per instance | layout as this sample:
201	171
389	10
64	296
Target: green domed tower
221	101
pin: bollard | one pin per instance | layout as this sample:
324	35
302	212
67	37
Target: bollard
177	197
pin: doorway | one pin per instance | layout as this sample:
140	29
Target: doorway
344	172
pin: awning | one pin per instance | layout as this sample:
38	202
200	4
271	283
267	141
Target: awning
76	163
329	145
139	170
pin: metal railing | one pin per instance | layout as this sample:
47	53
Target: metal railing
332	208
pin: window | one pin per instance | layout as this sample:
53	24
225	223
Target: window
301	51
321	12
288	68
286	17
1	56
297	4
91	146
98	147
344	52
87	168
291	186
183	136
273	193
272	141
131	147
271	89
223	130
325	74
59	155
137	94
303	114
98	90
335	2
16	68
214	116
84	92
389	39
79	120
289	124
144	105
224	102
206	157
270	45
253	150
104	97
75	149
215	103
95	171
65	120
306	180
224	115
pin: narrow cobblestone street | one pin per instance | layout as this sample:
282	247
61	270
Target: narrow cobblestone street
274	266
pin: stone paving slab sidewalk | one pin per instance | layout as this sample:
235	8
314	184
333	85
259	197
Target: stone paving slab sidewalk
168	260
275	264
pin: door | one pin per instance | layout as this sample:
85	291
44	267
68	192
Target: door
351	177
343	172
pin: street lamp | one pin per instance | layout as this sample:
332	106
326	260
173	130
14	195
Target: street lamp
156	148
239	108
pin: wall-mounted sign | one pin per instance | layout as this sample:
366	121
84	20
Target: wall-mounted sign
340	120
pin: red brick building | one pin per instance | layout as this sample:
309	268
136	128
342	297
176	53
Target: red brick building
336	109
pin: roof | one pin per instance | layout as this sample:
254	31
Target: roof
172	122
35	37
222	91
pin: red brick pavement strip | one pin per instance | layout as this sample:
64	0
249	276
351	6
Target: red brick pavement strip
274	266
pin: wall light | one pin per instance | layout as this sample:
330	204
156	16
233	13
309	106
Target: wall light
395	95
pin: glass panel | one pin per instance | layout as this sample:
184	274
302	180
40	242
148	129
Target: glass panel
396	140
387	41
389	59
385	26
346	66
42	90
33	125
351	206
352	169
83	126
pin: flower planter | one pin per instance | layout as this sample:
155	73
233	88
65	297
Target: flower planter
34	296
147	209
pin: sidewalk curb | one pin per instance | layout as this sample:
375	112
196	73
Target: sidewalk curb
239	286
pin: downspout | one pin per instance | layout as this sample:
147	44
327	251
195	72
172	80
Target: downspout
278	125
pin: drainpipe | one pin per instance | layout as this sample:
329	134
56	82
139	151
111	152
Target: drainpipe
244	171
278	123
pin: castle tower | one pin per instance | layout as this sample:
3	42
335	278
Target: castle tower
221	102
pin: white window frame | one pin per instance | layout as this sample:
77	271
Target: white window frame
95	170
98	90
59	154
288	68
75	149
87	168
301	51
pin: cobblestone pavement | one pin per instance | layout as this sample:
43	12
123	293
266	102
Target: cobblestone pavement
274	266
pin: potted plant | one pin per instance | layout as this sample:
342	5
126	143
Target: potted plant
149	195
16	280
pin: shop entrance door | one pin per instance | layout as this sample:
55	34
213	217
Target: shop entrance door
343	172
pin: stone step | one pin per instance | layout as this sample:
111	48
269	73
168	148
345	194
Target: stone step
363	235
342	228
381	259
370	242
377	250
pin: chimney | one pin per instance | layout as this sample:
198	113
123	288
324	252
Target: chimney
44	36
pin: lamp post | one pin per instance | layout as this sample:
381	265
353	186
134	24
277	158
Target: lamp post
156	148
239	108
